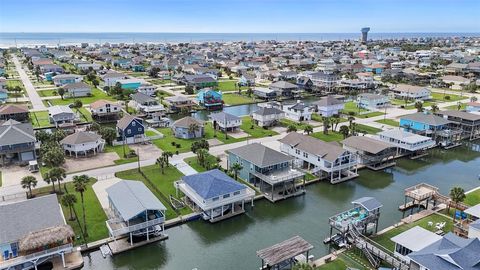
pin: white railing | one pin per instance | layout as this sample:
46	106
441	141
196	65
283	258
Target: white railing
33	256
133	228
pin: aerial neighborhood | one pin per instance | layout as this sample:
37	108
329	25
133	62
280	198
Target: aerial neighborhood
106	147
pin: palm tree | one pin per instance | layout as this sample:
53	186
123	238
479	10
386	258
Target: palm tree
29	182
434	108
57	174
473	99
326	124
192	128
69	200
161	162
236	167
350	121
292	128
457	194
308	129
201	155
61	92
49	180
459	106
344	130
166	155
419	106
80	184
336	120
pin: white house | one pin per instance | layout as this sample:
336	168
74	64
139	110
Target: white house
215	194
372	101
267	116
474	226
61	115
104	108
147	89
87	66
225	121
406	140
325	159
328	106
110	78
83	143
408	241
411	92
298	111
457	82
63	79
79	89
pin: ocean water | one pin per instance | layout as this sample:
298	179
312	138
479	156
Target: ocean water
49	39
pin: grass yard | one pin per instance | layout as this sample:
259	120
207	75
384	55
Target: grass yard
389	122
47	93
426	105
440	97
367	129
163	182
236	99
384	238
161	93
330	137
165	143
95	215
351	106
370	114
463	106
97	94
159	81
40	119
193	162
119	150
229	86
345	260
473	198
256	131
14	83
287	122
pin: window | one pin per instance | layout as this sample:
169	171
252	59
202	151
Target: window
215	199
133	123
297	151
129	131
226	195
305	154
236	193
139	129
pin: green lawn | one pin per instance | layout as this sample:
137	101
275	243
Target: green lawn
345	260
463	106
426	105
236	99
119	149
254	130
193	162
370	114
97	94
228	86
165	143
318	118
164	183
351	106
473	198
330	137
389	122
367	129
440	97
47	93
159	81
287	122
384	238
95	215
13	83
40	119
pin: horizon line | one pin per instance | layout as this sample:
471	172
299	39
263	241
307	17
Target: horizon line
150	32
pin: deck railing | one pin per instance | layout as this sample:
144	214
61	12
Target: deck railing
127	229
33	256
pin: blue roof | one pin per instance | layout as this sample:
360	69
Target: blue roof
368	203
212	184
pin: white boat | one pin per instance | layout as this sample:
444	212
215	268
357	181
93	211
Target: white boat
216	212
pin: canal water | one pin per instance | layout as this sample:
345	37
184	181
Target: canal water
231	244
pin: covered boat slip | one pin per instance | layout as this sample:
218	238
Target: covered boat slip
281	255
469	123
281	184
366	211
374	154
134	211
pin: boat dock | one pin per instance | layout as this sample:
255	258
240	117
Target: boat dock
122	245
238	211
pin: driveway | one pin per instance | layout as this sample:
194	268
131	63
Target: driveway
12	175
73	164
100	188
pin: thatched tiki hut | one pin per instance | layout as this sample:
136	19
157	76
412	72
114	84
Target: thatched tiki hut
45	239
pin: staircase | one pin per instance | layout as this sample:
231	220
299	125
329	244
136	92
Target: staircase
361	244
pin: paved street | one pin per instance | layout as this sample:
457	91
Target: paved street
35	99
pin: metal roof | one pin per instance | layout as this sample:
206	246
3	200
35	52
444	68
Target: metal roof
213	183
260	155
409	238
131	198
368	203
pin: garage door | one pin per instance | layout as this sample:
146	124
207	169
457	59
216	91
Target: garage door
26	156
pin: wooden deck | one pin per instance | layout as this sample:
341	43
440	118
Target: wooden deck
122	245
73	260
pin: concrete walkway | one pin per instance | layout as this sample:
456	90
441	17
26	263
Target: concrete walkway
35	99
183	167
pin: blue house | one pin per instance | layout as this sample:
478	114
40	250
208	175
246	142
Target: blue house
138	68
423	123
216	194
210	99
130	84
130	129
270	170
374	68
3	95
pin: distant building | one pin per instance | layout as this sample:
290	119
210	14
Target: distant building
210	99
267	116
79	89
298	111
17	142
328	106
130	129
372	101
225	121
182	128
365	34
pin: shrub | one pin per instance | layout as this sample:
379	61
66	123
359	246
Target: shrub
447	97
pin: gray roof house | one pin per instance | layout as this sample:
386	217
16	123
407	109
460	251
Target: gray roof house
61	115
17	142
137	211
83	142
78	89
267	116
181	128
271	170
225	121
33	219
284	88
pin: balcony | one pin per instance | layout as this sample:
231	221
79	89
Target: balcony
279	176
118	227
35	256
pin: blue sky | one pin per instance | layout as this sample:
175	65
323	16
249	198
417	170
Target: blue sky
239	16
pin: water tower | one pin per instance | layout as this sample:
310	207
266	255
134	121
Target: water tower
365	34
